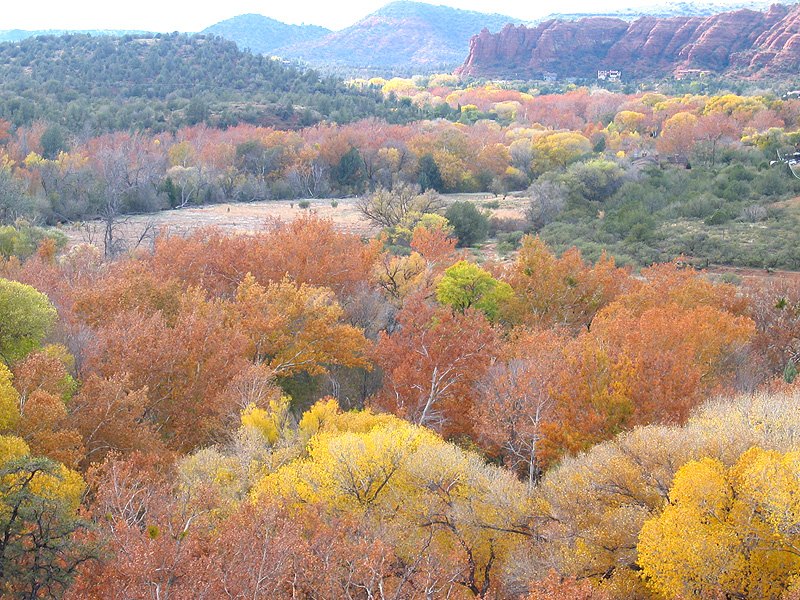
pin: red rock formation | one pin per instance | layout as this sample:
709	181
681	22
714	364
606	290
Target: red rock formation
744	41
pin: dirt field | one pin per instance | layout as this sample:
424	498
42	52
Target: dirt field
248	217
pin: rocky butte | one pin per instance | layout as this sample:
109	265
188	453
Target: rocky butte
743	42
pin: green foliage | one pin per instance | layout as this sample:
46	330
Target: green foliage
53	141
14	202
22	239
470	226
790	372
466	285
163	81
348	173
430	178
26	316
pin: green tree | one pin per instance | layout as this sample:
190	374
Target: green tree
54	142
430	178
465	285
470	225
348	173
26	315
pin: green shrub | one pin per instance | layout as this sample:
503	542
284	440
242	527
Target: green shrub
470	225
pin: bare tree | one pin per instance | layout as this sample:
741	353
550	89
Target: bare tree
386	208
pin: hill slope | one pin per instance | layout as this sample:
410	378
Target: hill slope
264	35
400	34
162	81
742	42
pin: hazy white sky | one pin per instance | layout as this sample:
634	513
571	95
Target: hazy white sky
171	15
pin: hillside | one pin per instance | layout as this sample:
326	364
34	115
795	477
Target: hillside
263	35
162	81
401	34
741	43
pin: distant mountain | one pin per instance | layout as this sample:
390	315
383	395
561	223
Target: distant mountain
401	34
15	35
665	11
738	43
263	35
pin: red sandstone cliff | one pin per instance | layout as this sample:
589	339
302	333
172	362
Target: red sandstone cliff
742	41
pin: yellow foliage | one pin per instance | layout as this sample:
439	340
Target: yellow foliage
271	422
64	485
12	447
9	401
443	80
400	87
557	149
723	529
326	416
399	276
406	475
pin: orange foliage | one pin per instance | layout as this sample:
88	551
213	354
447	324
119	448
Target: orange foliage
432	363
309	250
185	366
566	291
110	417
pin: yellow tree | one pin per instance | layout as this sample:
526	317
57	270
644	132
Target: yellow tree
437	497
729	530
39	549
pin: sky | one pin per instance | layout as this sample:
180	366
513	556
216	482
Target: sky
195	15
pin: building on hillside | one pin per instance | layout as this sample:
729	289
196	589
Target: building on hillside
609	75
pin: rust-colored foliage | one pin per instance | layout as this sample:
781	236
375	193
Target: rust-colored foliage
307	250
185	366
432	364
558	587
552	291
110	417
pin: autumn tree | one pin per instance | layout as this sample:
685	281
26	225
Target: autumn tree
566	290
593	505
127	168
437	497
111	418
296	328
26	315
41	544
739	524
432	362
185	362
518	400
386	208
154	534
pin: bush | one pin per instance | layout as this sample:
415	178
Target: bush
470	225
304	204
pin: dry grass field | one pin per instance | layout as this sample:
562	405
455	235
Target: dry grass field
242	218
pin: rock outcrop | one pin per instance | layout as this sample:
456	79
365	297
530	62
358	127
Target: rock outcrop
745	42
